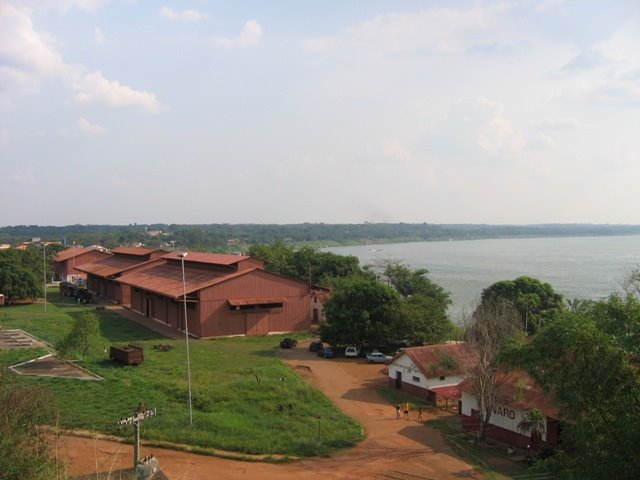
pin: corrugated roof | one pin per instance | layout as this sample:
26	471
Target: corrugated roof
165	277
255	301
209	258
76	251
139	251
517	390
110	266
444	359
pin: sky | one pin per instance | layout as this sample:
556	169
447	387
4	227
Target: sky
202	111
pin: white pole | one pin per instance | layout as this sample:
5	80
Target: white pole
186	334
44	269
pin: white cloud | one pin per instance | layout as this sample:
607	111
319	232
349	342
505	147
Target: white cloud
561	122
31	58
441	29
94	88
85	126
99	36
496	135
185	15
249	37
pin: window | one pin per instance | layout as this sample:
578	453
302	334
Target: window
442	377
416	379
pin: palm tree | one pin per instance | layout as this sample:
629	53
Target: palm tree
534	422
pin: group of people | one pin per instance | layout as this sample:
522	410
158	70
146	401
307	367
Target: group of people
406	411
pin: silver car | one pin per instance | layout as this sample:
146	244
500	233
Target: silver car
377	357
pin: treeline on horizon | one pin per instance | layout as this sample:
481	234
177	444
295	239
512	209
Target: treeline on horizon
233	237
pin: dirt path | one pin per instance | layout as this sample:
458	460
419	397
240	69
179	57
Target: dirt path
394	449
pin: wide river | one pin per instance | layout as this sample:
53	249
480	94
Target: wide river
576	267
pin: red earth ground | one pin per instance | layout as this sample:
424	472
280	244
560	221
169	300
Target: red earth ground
393	449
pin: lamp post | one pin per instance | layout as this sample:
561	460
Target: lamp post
44	270
186	333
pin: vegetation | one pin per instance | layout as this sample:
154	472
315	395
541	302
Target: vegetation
82	335
588	361
229	237
24	449
535	301
21	272
244	398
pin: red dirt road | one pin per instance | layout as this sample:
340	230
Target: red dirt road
393	449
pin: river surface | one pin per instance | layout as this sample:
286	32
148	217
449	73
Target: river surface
577	267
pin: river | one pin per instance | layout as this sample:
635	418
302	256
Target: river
576	267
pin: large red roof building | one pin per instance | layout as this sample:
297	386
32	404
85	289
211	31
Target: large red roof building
66	261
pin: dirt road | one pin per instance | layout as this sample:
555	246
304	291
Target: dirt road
394	449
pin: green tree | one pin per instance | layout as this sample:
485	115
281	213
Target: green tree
535	301
534	423
361	311
19	277
84	331
586	359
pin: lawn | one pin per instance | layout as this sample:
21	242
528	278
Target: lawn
244	399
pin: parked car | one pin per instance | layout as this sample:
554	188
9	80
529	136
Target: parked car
327	353
288	343
377	357
315	346
351	352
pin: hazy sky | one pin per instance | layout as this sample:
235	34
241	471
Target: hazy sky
294	111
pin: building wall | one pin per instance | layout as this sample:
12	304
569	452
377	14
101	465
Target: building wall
503	424
412	375
218	319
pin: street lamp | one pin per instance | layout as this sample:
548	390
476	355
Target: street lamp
186	333
44	269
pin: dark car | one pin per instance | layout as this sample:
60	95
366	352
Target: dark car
315	346
288	343
327	353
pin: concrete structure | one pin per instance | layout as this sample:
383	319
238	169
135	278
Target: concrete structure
226	295
517	394
432	372
65	261
102	275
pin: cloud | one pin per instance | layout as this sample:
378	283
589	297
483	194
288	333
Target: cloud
99	36
432	30
94	88
31	58
85	126
561	122
66	5
185	15
249	37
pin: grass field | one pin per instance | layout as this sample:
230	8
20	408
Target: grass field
244	399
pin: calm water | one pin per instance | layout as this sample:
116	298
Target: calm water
580	267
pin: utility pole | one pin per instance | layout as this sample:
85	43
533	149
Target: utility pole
139	415
44	269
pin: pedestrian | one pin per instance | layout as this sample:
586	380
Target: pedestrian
419	414
398	410
406	410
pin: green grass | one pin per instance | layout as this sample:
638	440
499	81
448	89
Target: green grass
244	399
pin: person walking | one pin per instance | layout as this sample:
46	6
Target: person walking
406	411
419	414
398	410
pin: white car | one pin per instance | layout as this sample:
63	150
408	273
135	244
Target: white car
351	352
377	357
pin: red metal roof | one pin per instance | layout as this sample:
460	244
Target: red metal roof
444	359
110	266
451	391
209	258
76	251
254	301
139	251
165	277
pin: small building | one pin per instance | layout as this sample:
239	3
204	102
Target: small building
432	372
102	274
517	394
225	295
65	261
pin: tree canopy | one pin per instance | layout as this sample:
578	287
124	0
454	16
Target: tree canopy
535	301
587	359
21	274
